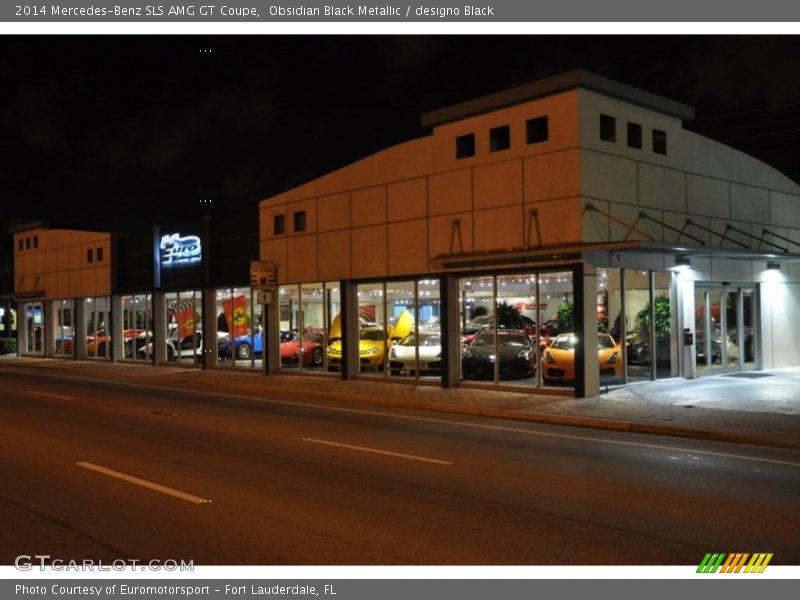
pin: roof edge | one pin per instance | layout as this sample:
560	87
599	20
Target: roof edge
556	84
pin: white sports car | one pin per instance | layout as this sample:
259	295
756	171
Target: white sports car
403	355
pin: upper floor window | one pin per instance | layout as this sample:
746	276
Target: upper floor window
465	145
36	241
608	128
89	255
100	254
536	130
659	141
634	135
499	138
300	220
279	225
21	243
27	243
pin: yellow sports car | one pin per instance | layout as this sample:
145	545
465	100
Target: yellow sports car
371	349
558	359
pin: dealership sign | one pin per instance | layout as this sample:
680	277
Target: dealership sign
177	250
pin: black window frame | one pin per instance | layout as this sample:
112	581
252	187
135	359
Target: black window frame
537	130
100	254
279	225
299	220
660	142
36	241
634	135
27	243
90	255
500	138
465	146
608	128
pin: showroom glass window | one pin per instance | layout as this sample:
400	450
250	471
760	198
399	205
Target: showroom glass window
63	332
137	325
240	328
97	319
34	327
309	335
506	323
183	335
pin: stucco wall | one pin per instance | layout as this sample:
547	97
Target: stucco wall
391	213
58	266
700	179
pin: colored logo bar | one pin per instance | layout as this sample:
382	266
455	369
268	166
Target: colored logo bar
734	562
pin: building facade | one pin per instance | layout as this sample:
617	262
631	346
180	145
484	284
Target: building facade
576	207
560	237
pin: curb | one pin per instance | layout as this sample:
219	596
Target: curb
447	408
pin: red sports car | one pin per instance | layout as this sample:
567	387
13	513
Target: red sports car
312	350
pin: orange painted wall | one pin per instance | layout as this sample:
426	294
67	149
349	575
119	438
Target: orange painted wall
58	264
391	213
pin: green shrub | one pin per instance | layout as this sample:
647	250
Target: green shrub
8	346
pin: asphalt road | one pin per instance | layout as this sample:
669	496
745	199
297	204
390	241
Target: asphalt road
292	482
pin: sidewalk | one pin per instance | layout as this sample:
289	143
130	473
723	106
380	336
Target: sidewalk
757	408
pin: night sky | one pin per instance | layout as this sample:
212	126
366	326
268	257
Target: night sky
121	132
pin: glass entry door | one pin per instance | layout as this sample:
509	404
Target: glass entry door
725	329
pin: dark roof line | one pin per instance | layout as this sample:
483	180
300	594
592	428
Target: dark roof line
555	85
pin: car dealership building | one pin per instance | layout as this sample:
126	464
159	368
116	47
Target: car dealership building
573	205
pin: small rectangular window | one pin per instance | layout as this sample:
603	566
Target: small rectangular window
27	243
465	145
300	221
608	128
499	138
634	135
36	241
659	141
100	254
89	255
21	243
279	224
536	130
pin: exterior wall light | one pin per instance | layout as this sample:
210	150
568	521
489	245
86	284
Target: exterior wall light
682	263
773	266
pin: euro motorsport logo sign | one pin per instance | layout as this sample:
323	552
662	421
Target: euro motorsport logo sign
734	563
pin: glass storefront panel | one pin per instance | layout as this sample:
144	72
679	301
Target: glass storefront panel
402	326
137	327
333	307
557	316
308	349
97	318
64	343
428	329
290	319
733	353
372	329
517	337
666	361
637	317
477	348
703	354
749	329
243	339
34	327
725	329
184	335
609	326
